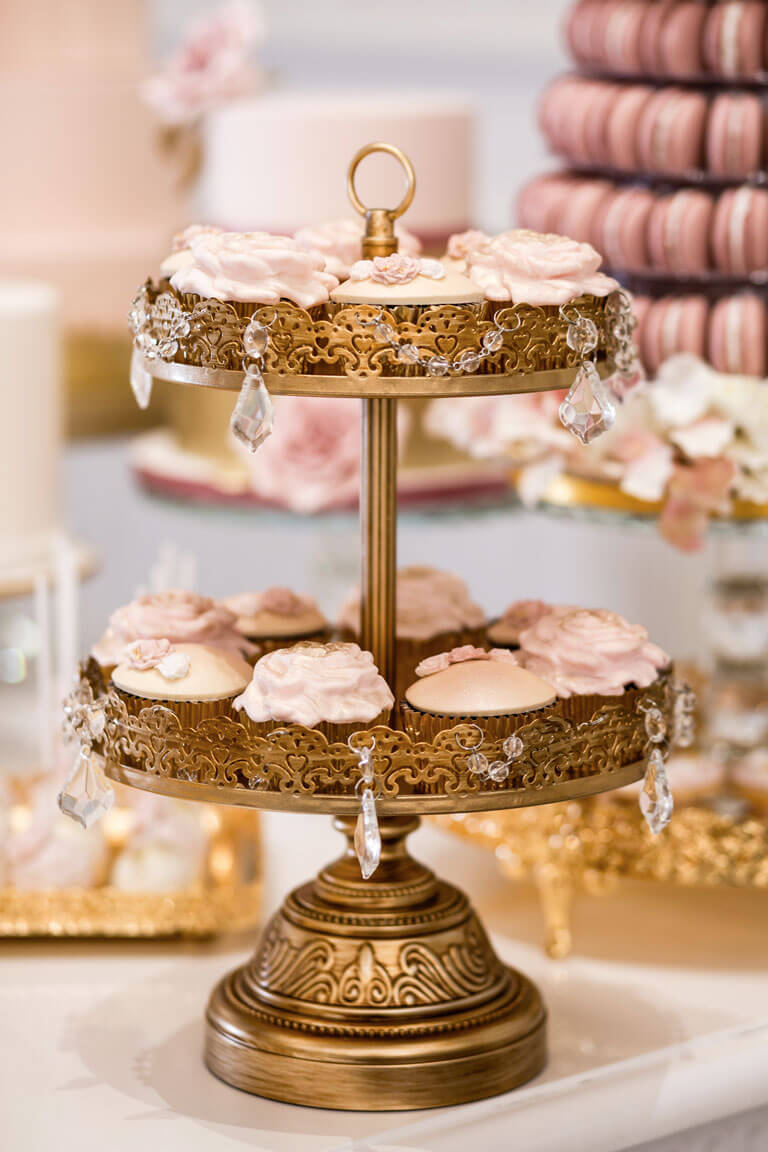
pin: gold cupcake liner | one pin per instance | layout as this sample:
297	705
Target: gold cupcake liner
189	712
334	733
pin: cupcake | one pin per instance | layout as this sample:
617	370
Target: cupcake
472	685
177	616
587	653
196	681
521	614
335	688
434	614
277	617
523	267
459	245
340	243
393	281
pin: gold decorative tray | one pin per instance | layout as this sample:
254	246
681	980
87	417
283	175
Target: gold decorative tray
227	899
596	841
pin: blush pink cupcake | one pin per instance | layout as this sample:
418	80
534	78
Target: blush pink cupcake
516	618
335	688
277	617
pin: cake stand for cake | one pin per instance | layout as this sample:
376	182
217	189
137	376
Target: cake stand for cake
382	993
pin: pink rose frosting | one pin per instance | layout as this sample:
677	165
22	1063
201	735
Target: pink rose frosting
145	654
280	601
314	683
396	269
340	242
590	651
183	239
460	244
443	660
522	614
429	601
175	616
537	268
212	65
257	267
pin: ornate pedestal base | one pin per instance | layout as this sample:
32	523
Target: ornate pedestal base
376	995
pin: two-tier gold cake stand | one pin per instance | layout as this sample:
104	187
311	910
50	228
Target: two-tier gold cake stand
382	993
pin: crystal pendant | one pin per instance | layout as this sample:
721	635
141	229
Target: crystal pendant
656	802
587	410
141	379
367	837
254	416
87	794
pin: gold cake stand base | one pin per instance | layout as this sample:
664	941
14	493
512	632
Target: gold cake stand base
376	995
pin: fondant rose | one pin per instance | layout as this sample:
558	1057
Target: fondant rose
396	269
537	268
145	654
590	651
211	66
257	267
443	660
314	683
175	616
460	244
429	602
340	242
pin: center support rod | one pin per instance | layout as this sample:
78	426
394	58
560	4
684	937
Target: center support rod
378	524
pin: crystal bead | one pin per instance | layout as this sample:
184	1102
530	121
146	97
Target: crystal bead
656	802
498	771
469	360
477	763
587	410
408	353
87	794
254	416
493	339
581	336
97	722
438	366
513	747
384	332
655	726
141	379
367	836
255	338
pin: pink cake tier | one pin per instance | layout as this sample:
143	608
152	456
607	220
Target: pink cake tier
665	135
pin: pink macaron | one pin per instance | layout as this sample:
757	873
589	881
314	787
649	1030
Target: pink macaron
674	324
583	31
738	333
540	202
596	115
681	39
622	126
649	36
583	208
733	38
622	230
621	35
641	306
670	132
735	132
557	109
679	230
740	231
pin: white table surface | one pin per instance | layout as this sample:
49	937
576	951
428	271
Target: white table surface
100	1044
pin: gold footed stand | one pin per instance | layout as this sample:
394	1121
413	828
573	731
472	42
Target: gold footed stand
375	994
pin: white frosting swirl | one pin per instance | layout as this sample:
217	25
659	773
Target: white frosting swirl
257	267
590	651
537	268
314	683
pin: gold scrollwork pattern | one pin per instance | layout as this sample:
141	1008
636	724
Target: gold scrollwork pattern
293	764
338	339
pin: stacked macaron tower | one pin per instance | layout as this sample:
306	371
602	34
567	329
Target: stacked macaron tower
664	130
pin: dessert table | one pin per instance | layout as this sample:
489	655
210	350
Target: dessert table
104	1041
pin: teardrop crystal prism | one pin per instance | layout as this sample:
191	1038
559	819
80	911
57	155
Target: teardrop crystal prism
87	794
141	379
367	836
254	416
587	410
656	801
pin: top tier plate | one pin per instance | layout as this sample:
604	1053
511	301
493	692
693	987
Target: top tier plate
335	349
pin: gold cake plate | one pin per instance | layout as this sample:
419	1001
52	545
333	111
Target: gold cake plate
382	993
227	898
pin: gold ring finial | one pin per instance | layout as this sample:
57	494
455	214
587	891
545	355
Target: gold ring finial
380	239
